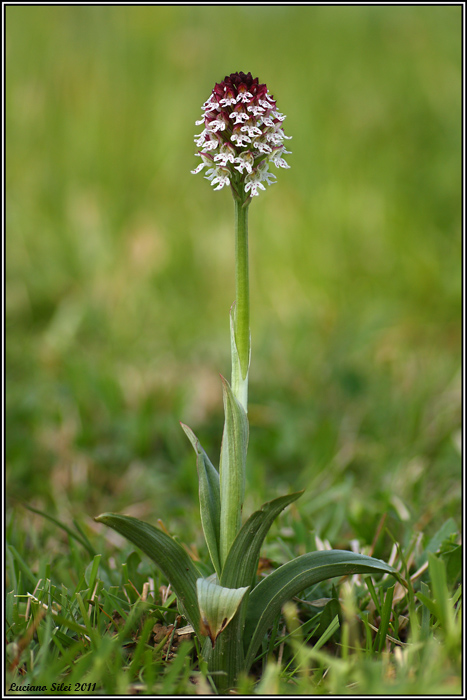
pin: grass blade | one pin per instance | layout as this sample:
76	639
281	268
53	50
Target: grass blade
385	616
82	539
22	565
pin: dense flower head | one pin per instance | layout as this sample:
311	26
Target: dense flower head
242	134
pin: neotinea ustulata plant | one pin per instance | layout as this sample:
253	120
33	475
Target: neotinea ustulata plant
231	610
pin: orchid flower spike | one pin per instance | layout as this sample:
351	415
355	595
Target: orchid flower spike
242	134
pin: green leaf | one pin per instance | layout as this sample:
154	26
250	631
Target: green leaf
453	560
242	561
169	556
217	606
232	468
209	498
267	599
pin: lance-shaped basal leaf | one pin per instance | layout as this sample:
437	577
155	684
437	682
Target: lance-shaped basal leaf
169	556
232	468
242	561
266	600
217	606
239	382
209	498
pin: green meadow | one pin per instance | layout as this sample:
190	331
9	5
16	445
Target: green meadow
119	279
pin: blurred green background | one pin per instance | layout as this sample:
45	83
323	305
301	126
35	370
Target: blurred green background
119	272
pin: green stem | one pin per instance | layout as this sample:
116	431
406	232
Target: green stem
242	304
228	655
235	438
